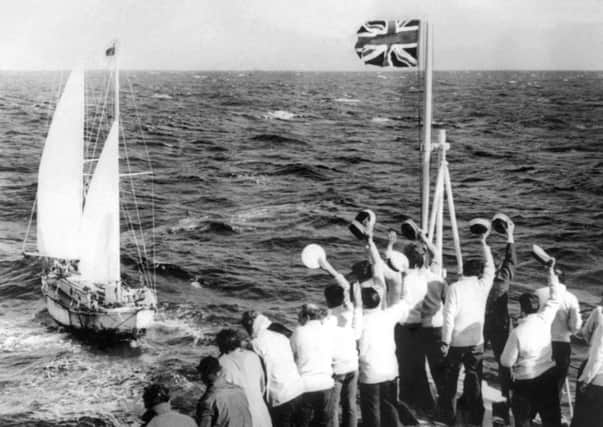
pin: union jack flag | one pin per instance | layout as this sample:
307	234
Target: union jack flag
389	43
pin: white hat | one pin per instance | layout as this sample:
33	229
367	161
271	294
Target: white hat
397	261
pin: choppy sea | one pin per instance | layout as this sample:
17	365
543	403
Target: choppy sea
248	169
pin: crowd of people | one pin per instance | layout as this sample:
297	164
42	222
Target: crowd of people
393	337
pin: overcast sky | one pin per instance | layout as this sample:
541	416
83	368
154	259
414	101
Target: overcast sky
294	34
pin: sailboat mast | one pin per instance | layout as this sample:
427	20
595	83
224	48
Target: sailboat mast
116	58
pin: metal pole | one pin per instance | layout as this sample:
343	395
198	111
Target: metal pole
426	147
437	199
453	223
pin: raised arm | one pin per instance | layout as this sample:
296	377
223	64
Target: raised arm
431	249
489	269
574	319
325	265
357	313
552	305
377	263
505	273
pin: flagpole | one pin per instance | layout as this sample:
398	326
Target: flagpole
426	147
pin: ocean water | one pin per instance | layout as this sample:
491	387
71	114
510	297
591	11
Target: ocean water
248	169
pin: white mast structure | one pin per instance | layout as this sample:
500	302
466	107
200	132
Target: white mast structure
434	224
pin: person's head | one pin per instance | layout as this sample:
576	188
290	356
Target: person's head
334	295
473	267
228	340
154	394
415	252
247	320
309	312
370	298
529	303
361	272
209	368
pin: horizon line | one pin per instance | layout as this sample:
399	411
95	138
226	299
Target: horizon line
256	70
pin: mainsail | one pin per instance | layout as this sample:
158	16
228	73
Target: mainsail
59	198
99	253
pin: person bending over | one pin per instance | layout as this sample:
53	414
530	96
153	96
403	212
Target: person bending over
156	398
284	384
243	368
223	404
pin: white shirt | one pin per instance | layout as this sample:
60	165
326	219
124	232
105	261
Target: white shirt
346	323
465	307
567	320
376	347
415	289
166	417
528	351
283	380
243	368
593	334
312	346
433	304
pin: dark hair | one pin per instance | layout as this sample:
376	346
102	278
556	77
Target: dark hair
361	272
247	320
370	298
415	254
529	302
154	394
209	365
473	267
228	340
309	312
334	296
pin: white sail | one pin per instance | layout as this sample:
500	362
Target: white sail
59	198
99	253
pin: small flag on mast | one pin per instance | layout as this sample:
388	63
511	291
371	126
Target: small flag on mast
111	50
389	43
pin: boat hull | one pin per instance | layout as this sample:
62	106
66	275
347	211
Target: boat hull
118	322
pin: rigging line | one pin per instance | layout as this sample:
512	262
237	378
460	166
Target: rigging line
90	152
150	164
131	228
95	120
137	210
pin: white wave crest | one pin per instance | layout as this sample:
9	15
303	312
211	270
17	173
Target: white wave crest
279	115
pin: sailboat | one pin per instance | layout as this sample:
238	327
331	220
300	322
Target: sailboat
78	231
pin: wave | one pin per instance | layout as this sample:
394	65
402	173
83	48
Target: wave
279	139
161	96
380	120
348	100
279	115
301	170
